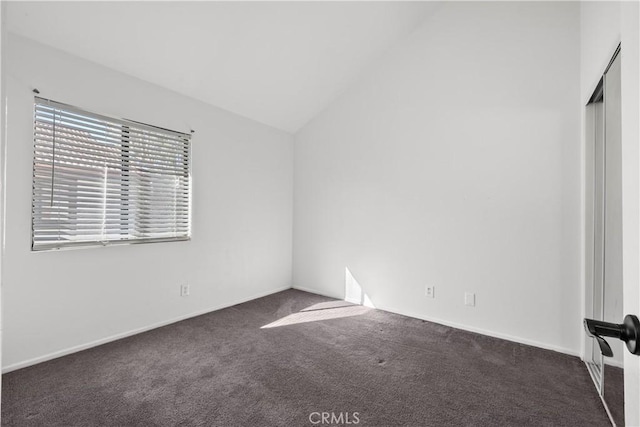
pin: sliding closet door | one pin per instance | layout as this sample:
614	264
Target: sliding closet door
613	308
595	229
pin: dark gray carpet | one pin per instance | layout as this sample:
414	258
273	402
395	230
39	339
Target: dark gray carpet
614	393
223	369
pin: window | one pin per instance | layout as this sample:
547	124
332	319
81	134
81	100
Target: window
99	180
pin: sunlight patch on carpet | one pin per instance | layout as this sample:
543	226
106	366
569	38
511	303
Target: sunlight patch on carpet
311	314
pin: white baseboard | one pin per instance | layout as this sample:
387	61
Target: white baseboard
614	363
75	349
314	291
487	332
461	326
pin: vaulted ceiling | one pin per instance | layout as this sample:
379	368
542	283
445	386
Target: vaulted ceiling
279	63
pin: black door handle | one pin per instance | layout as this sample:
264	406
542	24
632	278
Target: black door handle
629	332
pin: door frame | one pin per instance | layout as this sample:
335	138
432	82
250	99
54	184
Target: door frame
628	31
630	77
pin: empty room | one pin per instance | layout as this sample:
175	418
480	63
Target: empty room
320	213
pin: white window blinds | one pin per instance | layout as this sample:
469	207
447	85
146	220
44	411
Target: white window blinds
99	180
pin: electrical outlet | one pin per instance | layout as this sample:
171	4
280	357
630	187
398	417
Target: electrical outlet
184	290
470	299
430	292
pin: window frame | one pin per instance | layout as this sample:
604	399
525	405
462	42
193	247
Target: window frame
125	158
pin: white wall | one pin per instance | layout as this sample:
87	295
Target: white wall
455	162
603	26
599	36
242	216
